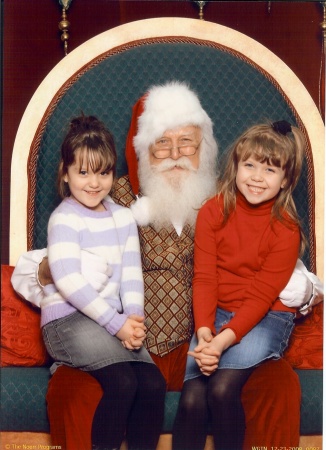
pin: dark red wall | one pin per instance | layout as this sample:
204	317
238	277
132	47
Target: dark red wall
32	47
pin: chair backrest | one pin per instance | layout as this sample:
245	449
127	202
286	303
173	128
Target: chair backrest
238	81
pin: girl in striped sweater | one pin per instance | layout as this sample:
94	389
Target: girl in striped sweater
100	329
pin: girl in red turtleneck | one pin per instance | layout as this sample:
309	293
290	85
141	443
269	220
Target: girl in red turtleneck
247	243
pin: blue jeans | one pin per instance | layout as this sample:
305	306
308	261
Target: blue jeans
77	341
267	340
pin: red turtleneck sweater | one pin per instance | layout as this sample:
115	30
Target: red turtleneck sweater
243	266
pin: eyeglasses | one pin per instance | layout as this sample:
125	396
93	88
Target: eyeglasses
162	148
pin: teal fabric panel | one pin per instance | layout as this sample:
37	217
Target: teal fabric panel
233	92
23	405
311	382
170	412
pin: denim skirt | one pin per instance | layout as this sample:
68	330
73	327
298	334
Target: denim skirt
77	341
267	340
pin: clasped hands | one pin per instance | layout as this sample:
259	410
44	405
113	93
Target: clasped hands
210	348
133	332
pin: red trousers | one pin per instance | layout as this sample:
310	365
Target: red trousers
271	399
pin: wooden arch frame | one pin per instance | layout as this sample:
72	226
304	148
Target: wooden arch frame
159	28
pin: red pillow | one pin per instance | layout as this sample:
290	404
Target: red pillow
305	349
21	337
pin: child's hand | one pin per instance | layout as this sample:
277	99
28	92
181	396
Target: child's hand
214	349
139	333
204	336
126	332
205	354
209	349
132	333
207	359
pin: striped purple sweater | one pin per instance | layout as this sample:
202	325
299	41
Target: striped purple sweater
111	234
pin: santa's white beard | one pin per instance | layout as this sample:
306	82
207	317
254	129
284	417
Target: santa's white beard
174	195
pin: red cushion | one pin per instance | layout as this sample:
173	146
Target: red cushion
305	349
21	338
22	343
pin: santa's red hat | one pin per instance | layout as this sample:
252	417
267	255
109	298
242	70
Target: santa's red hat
132	161
162	108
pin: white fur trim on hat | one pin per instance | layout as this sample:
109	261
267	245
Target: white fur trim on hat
168	107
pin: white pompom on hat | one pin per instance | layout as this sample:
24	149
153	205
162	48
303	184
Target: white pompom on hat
167	107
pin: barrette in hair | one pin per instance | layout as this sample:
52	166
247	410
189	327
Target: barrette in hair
282	127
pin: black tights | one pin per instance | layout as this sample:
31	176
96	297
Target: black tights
132	406
215	400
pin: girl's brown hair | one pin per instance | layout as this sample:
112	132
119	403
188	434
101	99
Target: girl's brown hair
265	144
90	135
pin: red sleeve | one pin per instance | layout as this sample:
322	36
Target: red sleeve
205	282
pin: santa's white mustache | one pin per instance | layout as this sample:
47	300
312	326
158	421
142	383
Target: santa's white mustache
169	164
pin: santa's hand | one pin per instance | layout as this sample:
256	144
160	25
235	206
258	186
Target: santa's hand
44	274
95	269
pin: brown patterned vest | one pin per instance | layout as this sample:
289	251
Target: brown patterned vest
167	261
